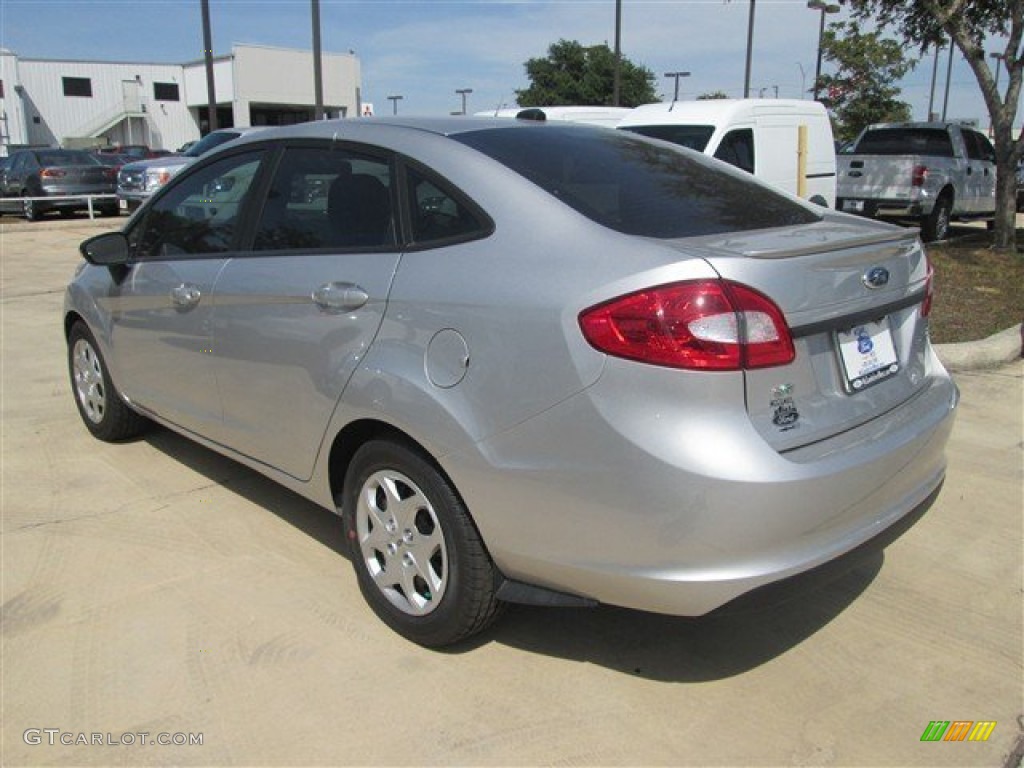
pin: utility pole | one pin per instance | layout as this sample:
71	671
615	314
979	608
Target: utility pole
318	80
750	50
211	96
617	79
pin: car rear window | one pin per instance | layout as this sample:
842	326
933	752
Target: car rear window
635	186
905	141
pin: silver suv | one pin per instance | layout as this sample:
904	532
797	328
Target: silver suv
137	181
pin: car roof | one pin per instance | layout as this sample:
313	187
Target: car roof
364	128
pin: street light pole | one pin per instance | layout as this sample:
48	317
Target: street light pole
999	60
394	103
463	92
676	75
820	5
931	95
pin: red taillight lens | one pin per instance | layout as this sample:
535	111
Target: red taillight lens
712	325
929	289
52	173
919	175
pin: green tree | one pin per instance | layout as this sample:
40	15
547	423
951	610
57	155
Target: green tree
924	24
713	95
575	75
863	88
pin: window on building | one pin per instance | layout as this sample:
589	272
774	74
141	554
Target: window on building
77	86
166	92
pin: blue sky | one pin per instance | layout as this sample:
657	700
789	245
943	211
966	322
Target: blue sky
426	49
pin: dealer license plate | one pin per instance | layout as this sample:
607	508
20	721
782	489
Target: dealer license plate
867	354
122	204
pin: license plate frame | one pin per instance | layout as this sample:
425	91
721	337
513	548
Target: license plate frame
853	206
867	354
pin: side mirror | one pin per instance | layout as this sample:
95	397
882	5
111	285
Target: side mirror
107	250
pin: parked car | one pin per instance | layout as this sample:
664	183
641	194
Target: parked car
760	136
525	362
928	173
609	117
137	181
57	173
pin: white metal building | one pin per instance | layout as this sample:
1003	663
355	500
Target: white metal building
54	102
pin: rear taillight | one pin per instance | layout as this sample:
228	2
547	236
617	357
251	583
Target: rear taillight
919	175
929	289
52	173
711	325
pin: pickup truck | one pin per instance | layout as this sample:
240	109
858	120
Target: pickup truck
931	173
137	181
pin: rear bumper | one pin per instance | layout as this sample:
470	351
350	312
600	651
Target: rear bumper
678	508
894	209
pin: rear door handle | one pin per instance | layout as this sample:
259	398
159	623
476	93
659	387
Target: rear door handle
186	296
340	297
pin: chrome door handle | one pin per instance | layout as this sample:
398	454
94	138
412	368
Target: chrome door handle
186	296
340	297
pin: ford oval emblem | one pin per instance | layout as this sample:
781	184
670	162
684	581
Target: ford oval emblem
877	277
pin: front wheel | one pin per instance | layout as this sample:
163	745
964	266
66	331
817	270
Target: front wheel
103	411
419	559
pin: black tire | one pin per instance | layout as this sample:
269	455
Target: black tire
29	209
409	532
936	225
101	407
110	210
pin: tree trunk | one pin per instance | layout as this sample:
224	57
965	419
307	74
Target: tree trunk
1005	236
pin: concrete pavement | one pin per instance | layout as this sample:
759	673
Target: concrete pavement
156	588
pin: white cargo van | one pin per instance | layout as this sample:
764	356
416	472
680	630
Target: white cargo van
760	136
608	117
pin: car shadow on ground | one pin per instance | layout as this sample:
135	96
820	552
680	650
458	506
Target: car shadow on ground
739	637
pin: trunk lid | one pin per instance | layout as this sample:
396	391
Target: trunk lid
851	292
876	177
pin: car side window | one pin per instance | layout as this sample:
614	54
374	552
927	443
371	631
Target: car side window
437	213
199	214
327	198
737	148
979	147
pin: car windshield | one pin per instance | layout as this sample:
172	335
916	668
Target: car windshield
694	137
209	141
905	141
66	157
635	186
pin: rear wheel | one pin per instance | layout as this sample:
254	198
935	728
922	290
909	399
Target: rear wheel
103	411
29	209
419	559
936	224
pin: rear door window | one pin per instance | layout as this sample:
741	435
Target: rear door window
325	197
636	186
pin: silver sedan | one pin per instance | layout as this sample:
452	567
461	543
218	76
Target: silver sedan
523	362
